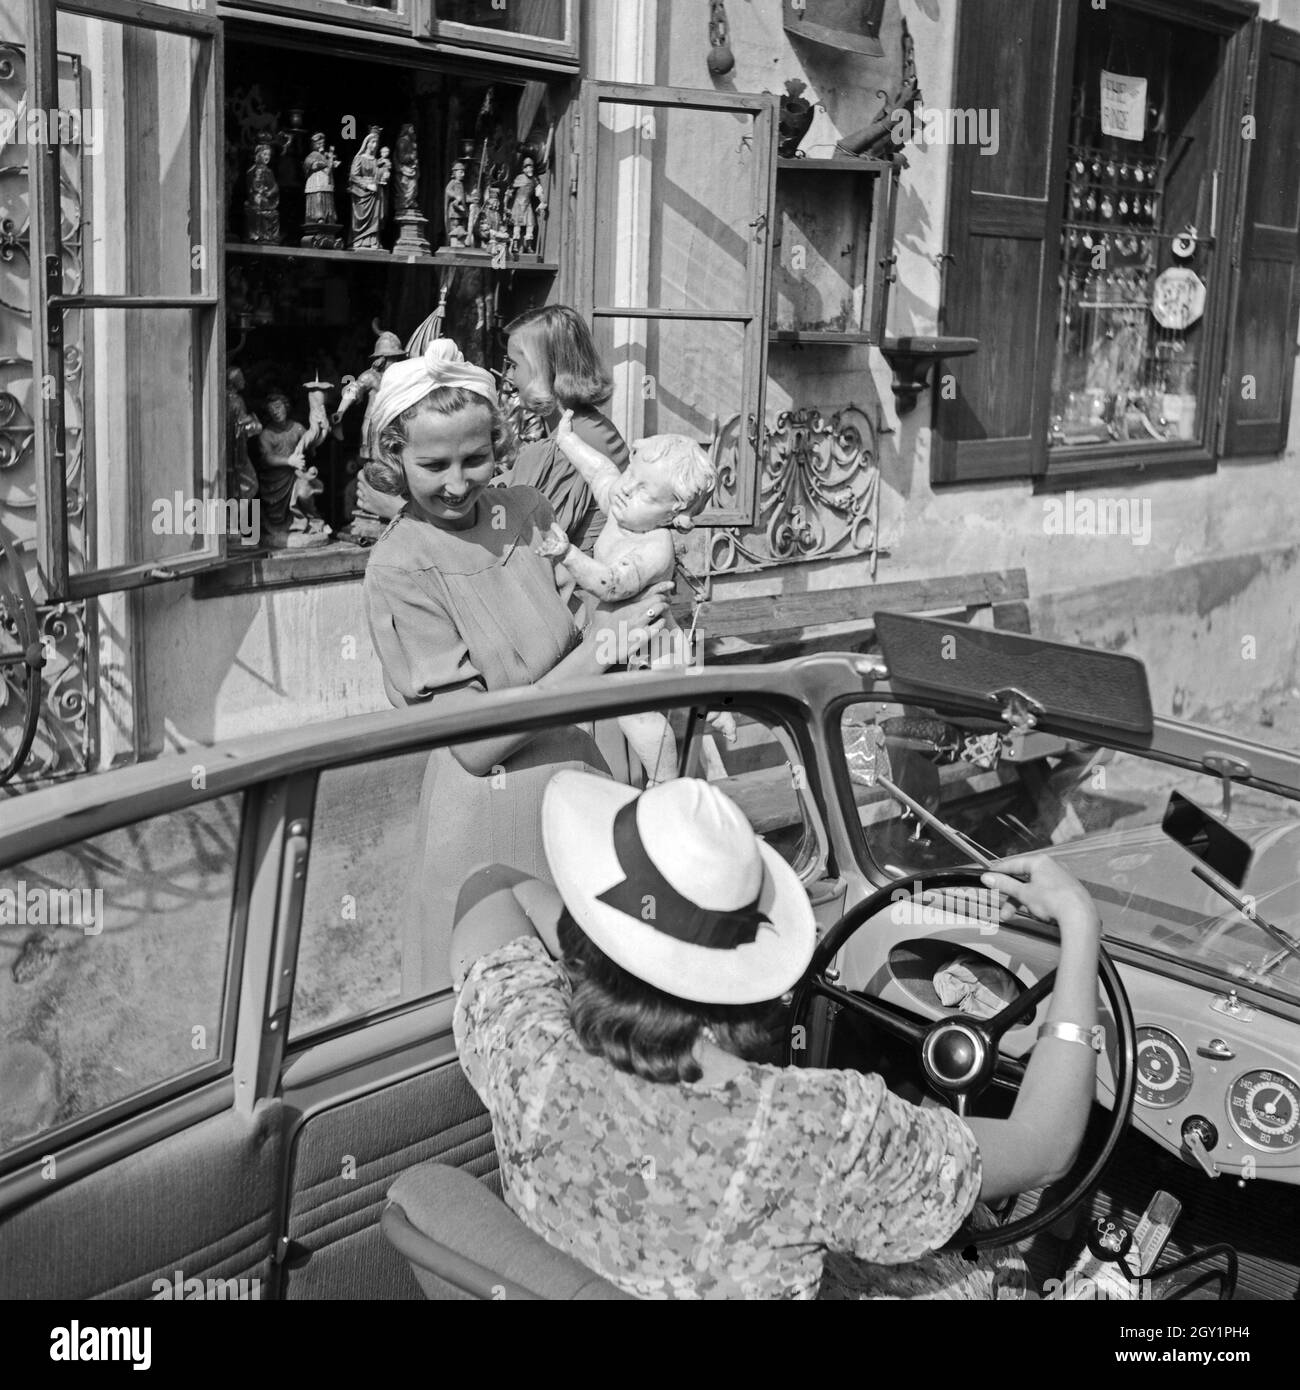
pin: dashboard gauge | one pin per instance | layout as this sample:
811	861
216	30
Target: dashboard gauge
1264	1107
1164	1070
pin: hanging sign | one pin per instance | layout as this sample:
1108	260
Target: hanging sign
1177	297
1123	106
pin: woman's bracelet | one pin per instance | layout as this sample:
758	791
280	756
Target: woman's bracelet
1071	1032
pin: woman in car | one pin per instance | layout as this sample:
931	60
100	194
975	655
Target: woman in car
612	1029
458	602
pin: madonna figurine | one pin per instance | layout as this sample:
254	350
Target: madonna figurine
367	196
412	240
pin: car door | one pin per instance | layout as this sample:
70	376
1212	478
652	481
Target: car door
370	1080
137	1157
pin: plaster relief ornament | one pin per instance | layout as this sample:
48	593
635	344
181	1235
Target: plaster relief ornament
412	240
262	200
321	228
367	195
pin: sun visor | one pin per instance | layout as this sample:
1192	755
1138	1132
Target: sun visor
995	671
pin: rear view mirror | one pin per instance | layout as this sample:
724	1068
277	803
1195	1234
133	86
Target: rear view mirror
1202	834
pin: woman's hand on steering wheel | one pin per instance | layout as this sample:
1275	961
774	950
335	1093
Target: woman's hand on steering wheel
1049	892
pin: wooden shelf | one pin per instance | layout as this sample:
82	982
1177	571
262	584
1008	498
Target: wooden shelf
840	163
806	335
439	259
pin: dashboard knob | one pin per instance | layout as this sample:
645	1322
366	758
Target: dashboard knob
1200	1136
1217	1049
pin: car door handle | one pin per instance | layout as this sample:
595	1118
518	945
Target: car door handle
293	883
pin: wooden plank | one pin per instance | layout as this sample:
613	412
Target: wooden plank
734	617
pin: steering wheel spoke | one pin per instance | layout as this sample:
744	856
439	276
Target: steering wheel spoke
959	1054
909	1029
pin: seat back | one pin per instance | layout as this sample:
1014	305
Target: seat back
465	1243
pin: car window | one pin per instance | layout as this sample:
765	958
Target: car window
393	838
115	957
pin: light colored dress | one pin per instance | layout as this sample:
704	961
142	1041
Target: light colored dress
781	1183
472	609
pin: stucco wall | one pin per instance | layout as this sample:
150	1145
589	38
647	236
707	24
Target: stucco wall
1219	568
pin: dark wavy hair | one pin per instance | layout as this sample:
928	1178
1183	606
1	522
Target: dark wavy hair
640	1029
385	472
562	354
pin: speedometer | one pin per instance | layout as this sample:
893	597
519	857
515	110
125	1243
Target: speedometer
1164	1070
1264	1107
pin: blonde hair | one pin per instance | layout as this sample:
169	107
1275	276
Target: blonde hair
563	356
692	474
385	472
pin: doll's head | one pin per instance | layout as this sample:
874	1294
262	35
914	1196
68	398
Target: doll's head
441	452
668	482
554	361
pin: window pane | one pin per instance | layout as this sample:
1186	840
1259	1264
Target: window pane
141	369
1138	256
544	19
385	870
673	376
137	132
674	207
358	882
115	952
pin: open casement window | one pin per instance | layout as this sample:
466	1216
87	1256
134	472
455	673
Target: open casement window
1003	240
127	322
676	195
532	28
1261	364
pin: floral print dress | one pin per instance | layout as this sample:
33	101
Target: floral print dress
779	1183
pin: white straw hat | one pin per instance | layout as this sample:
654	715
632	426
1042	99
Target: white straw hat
673	885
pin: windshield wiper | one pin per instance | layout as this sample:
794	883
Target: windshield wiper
1290	946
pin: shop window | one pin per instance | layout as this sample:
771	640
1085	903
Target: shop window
538	28
1098	267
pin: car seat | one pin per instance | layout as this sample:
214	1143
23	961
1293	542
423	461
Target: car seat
465	1243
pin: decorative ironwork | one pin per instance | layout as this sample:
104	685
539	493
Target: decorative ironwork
47	653
819	491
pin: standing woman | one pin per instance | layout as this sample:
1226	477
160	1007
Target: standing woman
459	602
555	367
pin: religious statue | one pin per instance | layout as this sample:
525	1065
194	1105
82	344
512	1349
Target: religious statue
364	528
412	240
241	426
367	197
262	200
384	178
288	485
456	207
492	231
321	226
527	201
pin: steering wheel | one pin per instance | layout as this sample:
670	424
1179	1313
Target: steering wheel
959	1053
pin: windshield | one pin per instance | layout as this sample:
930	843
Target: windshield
1098	811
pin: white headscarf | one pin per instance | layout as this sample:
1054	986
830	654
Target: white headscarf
442	364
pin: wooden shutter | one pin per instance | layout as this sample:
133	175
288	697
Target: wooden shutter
1261	358
1004	214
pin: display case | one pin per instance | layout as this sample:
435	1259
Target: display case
370	206
832	249
533	28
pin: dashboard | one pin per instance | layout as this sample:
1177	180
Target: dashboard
1218	1078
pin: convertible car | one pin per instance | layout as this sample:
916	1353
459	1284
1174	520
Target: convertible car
211	1078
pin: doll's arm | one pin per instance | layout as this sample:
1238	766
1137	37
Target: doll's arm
599	473
634	571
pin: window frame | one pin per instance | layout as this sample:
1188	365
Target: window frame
754	317
333	11
1069	465
49	303
427	25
